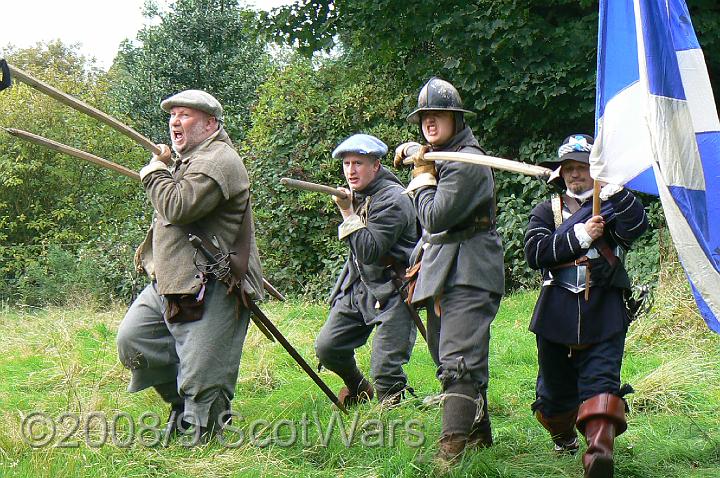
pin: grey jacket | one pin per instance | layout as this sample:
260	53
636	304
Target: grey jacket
463	192
209	187
388	228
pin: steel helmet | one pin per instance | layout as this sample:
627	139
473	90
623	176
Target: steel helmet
437	95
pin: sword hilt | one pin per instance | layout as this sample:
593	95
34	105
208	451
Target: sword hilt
216	265
198	244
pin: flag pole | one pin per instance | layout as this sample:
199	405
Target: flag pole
595	212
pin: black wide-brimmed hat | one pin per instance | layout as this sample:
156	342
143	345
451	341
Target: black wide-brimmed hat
576	147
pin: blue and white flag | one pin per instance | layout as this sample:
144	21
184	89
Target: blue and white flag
657	129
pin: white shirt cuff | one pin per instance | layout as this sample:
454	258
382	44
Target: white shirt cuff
582	236
610	190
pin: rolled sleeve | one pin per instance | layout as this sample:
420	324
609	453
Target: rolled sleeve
351	224
151	167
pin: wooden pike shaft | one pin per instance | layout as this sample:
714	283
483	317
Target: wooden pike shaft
83	107
484	160
308	186
78	153
33	138
273	291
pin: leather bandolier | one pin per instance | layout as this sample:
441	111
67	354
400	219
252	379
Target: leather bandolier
606	261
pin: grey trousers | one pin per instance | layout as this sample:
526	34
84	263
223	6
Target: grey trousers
348	327
459	340
202	357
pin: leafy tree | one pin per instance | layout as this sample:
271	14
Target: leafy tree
198	44
527	68
304	111
48	199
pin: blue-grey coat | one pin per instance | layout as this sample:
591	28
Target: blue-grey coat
462	192
387	227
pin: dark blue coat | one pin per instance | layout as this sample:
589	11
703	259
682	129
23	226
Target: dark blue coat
565	317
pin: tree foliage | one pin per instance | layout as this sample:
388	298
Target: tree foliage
52	205
198	44
527	69
303	113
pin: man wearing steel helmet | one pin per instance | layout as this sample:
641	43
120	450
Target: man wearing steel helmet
184	334
379	228
580	342
461	277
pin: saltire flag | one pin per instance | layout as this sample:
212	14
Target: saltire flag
657	130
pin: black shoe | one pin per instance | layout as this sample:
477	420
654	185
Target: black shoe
176	424
219	417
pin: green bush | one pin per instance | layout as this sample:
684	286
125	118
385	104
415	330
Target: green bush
61	217
643	260
304	111
100	272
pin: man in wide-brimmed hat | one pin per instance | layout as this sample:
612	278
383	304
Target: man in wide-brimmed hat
580	341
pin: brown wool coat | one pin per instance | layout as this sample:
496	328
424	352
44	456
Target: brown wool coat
207	186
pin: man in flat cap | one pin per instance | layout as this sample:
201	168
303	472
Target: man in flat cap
581	338
379	228
184	333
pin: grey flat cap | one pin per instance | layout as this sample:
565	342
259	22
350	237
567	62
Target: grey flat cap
361	144
196	99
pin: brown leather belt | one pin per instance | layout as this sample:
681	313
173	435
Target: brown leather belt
580	261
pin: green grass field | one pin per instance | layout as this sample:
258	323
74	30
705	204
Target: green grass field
58	367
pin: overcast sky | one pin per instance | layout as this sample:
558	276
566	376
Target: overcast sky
98	25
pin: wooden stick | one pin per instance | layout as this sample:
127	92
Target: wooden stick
33	138
272	290
308	186
595	212
484	160
83	107
78	153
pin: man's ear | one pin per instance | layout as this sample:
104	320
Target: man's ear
376	165
212	123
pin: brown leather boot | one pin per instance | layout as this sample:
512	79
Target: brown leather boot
562	430
363	393
601	419
449	451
